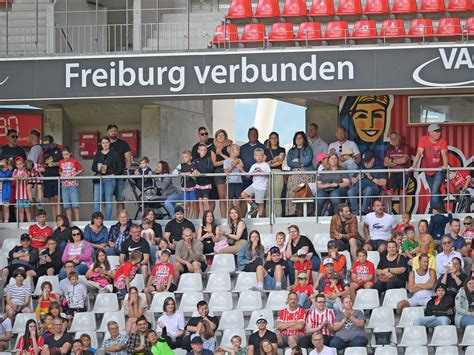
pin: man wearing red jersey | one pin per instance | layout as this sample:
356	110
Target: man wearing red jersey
434	151
40	232
320	319
397	157
290	323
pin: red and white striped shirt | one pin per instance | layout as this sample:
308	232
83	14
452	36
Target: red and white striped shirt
315	319
287	316
21	185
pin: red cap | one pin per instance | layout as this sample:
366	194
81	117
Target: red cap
20	159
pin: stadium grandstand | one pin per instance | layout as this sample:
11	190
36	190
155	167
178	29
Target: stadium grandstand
236	177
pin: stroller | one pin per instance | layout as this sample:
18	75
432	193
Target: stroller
152	196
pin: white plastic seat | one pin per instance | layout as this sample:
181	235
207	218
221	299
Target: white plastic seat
190	283
393	296
3	261
348	259
118	316
268	240
54	282
26	282
381	317
229	333
139	282
414	336
374	257
393	335
289	350
444	335
267	313
189	301
469	350
8	245
114	261
151	318
20	322
180	351
92	334
249	301
106	302
158	300
223	263
219	281
245	281
416	350
220	302
468	337
386	350
320	242
277	300
231	320
409	314
357	350
447	350
83	321
366	299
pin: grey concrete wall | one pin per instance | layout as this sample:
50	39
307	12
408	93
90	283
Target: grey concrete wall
326	119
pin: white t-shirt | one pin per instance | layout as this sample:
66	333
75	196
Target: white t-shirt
326	351
260	182
338	147
380	228
5	327
173	323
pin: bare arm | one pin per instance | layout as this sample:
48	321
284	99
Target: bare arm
419	153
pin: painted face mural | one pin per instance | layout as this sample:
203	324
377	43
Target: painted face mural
369	117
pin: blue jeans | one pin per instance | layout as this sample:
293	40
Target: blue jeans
303	300
169	203
112	251
466	320
152	254
81	269
432	321
353	194
315	261
335	197
70	195
340	344
434	182
107	192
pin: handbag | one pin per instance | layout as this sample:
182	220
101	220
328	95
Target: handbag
383	338
303	191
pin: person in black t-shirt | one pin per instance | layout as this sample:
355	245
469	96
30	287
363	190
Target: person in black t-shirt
60	342
11	150
391	270
203	135
123	149
272	275
262	333
136	242
174	228
191	327
51	156
203	165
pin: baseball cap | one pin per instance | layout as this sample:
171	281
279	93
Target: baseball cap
434	127
441	286
368	156
48	139
112	125
261	318
25	236
302	275
328	261
274	250
301	252
197	340
19	159
321	156
332	243
178	209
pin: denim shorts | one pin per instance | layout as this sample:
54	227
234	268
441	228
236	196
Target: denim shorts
70	196
190	195
269	282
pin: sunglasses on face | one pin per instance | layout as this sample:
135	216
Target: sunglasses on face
447	243
204	133
467	223
76	234
340	149
14	137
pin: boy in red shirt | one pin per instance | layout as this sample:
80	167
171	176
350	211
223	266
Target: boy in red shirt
303	265
126	273
40	232
304	291
406	217
334	291
362	275
161	277
70	167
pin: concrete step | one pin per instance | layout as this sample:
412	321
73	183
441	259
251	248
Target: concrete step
18	7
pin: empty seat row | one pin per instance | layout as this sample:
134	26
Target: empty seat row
367	29
242	9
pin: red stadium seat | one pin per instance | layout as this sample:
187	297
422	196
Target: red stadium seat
240	9
322	8
468	31
230	32
432	6
309	31
294	8
404	7
364	29
376	7
336	30
449	27
459	5
349	7
253	32
267	8
392	29
421	27
281	31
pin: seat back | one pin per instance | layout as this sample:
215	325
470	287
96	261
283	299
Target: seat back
54	282
219	281
381	317
349	7
392	28
106	302
468	337
414	336
366	299
320	240
229	31
447	350
416	350
294	8
267	8
356	350
376	7
231	320
245	281
393	296
459	5
239	9
409	314
190	282
189	301
404	7
444	335
158	300
229	333
449	26
250	301
281	31
20	322
469	27
432	6
421	27
277	300
9	244
469	350
322	8
364	29
386	350
220	302
267	313
308	31
374	256
83	321
118	317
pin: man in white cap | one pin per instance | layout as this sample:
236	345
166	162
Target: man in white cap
434	151
262	333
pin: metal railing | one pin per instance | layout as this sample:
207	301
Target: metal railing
142	200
